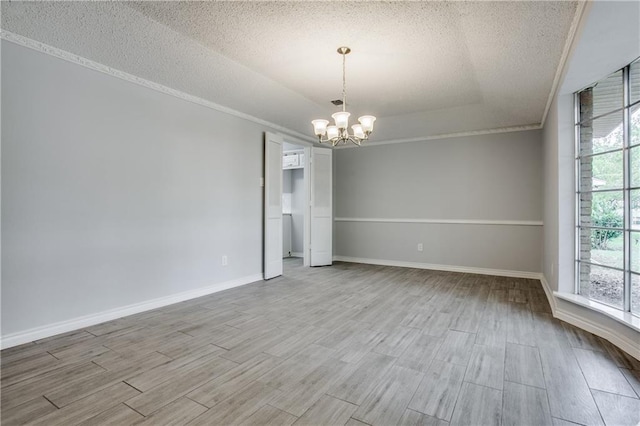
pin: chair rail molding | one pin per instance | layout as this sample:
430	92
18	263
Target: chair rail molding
442	221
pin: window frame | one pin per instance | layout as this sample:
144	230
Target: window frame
626	189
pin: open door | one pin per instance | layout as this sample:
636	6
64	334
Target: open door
272	205
321	207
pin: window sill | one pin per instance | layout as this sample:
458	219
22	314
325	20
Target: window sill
625	318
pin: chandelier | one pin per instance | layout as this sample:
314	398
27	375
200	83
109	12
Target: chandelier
339	133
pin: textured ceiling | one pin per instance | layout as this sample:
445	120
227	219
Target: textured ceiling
399	50
423	68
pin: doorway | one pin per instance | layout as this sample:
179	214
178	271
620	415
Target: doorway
297	204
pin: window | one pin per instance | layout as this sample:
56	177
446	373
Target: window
608	190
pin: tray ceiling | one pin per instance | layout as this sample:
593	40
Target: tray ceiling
423	68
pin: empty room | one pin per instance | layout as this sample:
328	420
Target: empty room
320	213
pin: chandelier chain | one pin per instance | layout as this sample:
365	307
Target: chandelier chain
344	82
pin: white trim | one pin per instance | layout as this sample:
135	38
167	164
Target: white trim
442	221
306	236
449	268
573	30
96	66
296	254
549	293
300	142
304	138
629	346
493	131
625	318
36	333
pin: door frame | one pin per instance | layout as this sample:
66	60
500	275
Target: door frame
319	215
306	237
272	228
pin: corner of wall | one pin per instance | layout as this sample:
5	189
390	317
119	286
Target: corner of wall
549	293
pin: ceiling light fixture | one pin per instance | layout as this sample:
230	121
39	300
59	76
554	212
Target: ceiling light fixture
339	133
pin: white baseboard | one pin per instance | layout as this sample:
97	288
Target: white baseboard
606	333
435	267
296	254
629	346
36	333
549	293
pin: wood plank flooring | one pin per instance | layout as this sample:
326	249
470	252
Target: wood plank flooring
349	344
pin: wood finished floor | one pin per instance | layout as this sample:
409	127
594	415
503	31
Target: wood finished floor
344	345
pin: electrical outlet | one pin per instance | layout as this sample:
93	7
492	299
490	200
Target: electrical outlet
225	260
420	247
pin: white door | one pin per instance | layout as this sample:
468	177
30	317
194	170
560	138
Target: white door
321	207
272	205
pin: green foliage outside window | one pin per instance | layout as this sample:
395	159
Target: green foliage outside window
607	207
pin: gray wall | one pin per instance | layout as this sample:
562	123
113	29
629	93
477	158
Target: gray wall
559	196
487	177
297	210
550	214
114	194
286	218
286	181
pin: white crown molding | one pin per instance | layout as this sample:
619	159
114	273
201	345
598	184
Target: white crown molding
96	66
493	131
36	333
434	267
566	51
443	221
